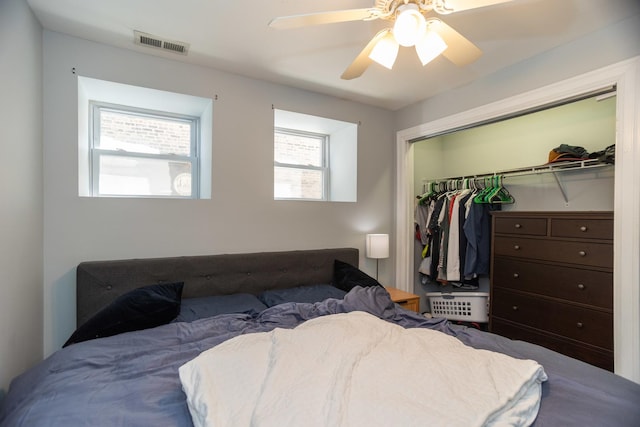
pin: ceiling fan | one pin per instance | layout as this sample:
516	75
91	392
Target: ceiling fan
411	27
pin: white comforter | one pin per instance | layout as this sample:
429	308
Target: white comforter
354	369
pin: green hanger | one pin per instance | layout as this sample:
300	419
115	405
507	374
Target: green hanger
500	194
480	197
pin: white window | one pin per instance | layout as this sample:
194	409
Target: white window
142	142
137	152
315	158
300	160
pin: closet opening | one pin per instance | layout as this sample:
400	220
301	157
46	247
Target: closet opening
515	149
624	77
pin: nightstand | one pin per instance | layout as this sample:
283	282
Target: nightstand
404	299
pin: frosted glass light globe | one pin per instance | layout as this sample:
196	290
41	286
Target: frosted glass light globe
410	25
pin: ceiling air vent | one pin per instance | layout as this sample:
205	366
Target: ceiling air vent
150	40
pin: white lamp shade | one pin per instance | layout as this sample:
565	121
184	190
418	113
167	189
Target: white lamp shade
409	26
385	51
377	246
429	47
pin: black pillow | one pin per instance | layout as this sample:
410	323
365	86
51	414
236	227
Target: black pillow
141	308
346	276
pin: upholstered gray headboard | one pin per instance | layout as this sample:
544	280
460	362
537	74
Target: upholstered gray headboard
100	282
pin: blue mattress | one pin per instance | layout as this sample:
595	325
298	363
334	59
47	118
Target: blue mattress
132	379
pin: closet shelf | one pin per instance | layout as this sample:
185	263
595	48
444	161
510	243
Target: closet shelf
536	170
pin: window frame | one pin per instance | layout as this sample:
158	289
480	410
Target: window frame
95	152
324	169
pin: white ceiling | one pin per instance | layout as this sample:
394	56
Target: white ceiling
233	35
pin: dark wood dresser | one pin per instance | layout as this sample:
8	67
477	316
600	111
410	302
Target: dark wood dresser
552	281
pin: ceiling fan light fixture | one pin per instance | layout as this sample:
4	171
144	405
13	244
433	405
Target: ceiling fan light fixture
410	25
385	51
430	46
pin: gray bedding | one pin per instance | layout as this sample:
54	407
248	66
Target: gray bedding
131	379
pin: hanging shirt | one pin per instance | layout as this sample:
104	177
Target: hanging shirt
463	210
453	247
477	228
425	264
435	231
443	222
421	218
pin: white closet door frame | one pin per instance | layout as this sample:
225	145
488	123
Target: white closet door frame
626	293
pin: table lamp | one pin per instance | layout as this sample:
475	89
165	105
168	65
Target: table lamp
377	246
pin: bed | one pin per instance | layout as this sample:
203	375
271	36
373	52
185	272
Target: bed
291	338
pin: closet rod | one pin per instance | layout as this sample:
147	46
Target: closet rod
533	170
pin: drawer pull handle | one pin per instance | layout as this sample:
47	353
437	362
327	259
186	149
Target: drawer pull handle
516	275
583	228
518	226
582	253
515	308
581	286
516	247
579	325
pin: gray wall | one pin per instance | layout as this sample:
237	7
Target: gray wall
241	215
20	190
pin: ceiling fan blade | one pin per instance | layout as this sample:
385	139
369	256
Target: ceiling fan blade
362	61
459	50
450	6
296	21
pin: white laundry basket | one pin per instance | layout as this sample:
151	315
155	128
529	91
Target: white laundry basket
464	306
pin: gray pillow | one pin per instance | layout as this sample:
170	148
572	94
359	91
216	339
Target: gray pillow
309	294
198	308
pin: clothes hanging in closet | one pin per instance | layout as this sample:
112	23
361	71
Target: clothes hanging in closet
454	228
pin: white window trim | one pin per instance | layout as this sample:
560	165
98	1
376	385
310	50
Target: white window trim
90	89
342	151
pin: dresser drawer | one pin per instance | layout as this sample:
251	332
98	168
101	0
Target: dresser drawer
578	323
574	284
582	228
521	226
593	355
582	253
